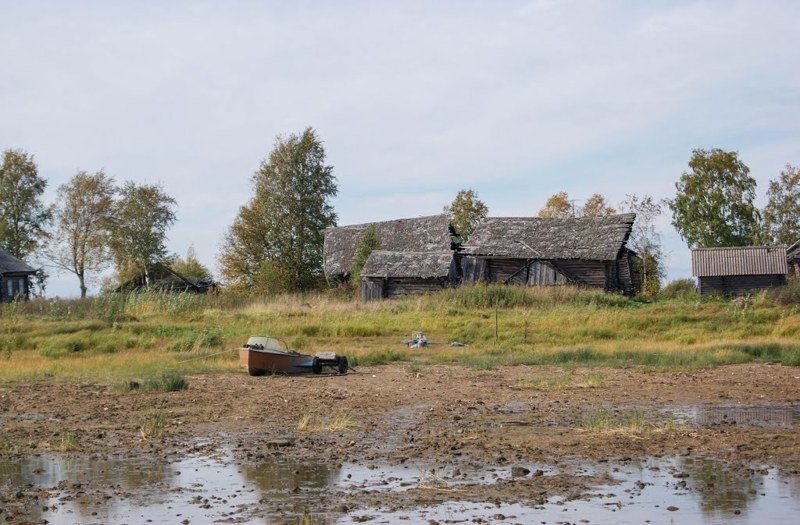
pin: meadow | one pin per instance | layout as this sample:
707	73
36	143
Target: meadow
131	339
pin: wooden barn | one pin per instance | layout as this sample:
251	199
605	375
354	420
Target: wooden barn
15	277
421	234
793	260
739	270
588	251
164	278
395	274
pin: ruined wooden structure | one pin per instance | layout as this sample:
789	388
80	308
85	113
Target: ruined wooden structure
739	270
388	274
586	251
793	260
421	235
15	277
163	278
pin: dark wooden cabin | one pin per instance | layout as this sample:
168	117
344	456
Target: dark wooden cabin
793	260
421	234
164	278
587	251
395	274
739	270
15	277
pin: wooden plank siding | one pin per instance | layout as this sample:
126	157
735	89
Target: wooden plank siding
377	288
739	284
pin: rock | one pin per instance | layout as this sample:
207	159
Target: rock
672	508
519	472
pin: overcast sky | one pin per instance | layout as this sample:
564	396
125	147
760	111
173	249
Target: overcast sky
414	100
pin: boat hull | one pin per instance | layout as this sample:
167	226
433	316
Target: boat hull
260	362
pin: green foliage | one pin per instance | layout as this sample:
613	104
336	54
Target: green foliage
153	426
166	382
23	216
190	266
275	243
83	214
646	241
369	243
789	294
714	205
142	216
680	289
466	212
782	212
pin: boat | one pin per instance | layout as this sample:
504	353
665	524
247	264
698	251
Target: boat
269	355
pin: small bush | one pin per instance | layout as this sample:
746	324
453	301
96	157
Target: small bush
789	294
153	426
166	382
679	289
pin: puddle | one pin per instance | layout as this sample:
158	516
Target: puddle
280	491
741	415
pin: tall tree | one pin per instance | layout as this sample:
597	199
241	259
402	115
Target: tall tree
596	206
645	239
466	212
142	216
23	215
558	206
782	212
713	205
83	216
275	243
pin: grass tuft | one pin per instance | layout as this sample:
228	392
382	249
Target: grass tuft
68	443
153	426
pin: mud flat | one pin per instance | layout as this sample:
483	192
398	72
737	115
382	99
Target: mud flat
405	444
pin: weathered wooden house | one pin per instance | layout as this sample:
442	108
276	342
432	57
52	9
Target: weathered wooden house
395	274
418	235
793	260
739	270
164	278
15	277
587	251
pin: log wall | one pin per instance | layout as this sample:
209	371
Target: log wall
739	284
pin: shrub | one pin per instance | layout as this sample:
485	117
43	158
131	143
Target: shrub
679	289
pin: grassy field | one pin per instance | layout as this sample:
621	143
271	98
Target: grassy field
138	337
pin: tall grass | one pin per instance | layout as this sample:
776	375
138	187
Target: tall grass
118	337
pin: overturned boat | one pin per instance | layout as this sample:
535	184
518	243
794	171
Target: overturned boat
269	355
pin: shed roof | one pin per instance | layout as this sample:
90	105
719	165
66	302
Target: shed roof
10	264
420	234
425	265
591	238
750	260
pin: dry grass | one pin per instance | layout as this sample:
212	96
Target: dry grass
153	426
68	443
118	338
313	422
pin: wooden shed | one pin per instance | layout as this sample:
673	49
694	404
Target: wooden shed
422	234
739	270
793	260
164	278
588	251
15	277
395	274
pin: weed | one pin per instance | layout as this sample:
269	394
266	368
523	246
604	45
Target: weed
68	443
166	382
153	426
314	422
603	419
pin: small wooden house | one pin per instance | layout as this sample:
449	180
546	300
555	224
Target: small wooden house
793	260
739	270
164	278
421	234
588	251
395	274
15	277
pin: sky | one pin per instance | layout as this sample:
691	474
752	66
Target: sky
413	100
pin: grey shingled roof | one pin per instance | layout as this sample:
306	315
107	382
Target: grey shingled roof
793	251
382	263
590	238
421	234
10	264
751	260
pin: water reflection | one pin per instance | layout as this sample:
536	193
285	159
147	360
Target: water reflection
762	416
723	489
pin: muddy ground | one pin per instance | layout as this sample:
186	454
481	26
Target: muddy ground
447	418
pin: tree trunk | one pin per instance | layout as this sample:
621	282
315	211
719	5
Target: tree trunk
83	285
